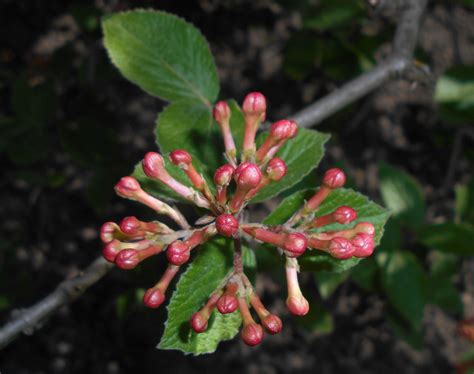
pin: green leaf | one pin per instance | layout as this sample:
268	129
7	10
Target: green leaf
449	237
454	93
441	292
465	202
404	282
402	194
412	335
332	14
367	211
194	287
301	155
444	265
318	320
327	283
163	54
189	125
365	274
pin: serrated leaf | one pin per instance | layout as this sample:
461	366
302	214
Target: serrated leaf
403	280
449	237
367	211
301	155
201	278
402	194
163	54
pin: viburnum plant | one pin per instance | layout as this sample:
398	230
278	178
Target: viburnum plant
329	228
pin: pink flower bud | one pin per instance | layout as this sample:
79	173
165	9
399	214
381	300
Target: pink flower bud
296	302
127	259
283	129
221	112
252	334
334	178
130	225
154	166
344	215
295	244
247	177
223	175
153	298
276	169
227	225
178	253
108	231
272	324
341	248
363	244
111	250
255	104
227	304
366	227
297	306
127	187
198	322
180	158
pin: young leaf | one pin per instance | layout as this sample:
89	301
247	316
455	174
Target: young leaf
201	278
163	54
404	282
367	211
402	194
327	283
449	237
301	155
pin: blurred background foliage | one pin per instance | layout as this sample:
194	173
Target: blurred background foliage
70	126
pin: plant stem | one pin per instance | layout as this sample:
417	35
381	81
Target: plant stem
238	266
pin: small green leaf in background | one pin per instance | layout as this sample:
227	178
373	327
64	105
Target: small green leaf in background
318	320
365	274
404	283
454	93
203	275
441	292
465	202
328	283
402	194
444	265
413	335
449	237
301	155
163	54
332	14
367	211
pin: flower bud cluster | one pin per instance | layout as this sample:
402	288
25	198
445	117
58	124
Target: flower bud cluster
247	171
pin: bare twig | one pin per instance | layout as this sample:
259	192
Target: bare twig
404	45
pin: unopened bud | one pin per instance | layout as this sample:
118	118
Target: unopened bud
344	215
365	227
153	298
127	187
223	175
252	334
254	108
295	244
272	324
341	248
181	158
127	259
227	225
247	177
130	225
296	302
154	166
228	302
178	253
363	244
198	322
110	231
221	112
276	169
255	104
283	129
334	178
111	250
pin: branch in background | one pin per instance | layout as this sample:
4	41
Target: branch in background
404	45
406	37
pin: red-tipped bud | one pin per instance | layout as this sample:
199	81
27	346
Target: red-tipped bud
255	104
272	324
344	215
198	322
127	259
227	304
227	225
130	225
252	334
107	231
334	178
295	244
180	158
223	175
154	165
298	306
276	169
283	129
366	227
127	187
296	302
221	112
153	298
341	248
363	244
111	250
178	253
247	176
